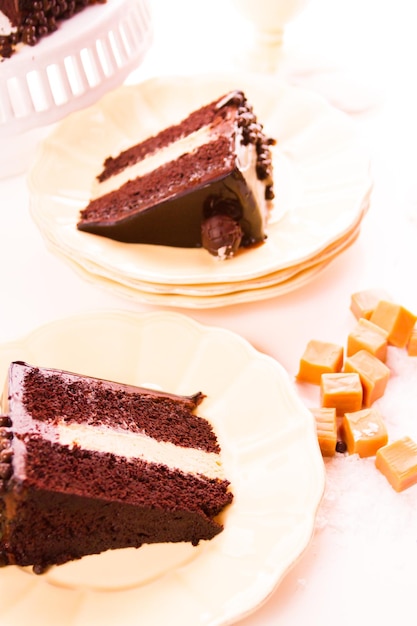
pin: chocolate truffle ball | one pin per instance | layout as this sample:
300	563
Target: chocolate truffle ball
221	235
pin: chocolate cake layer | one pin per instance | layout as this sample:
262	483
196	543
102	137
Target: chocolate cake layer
108	477
57	528
51	395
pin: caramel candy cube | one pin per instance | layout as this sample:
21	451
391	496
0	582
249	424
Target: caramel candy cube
412	343
368	336
398	462
374	375
319	357
364	432
343	391
363	303
396	320
326	426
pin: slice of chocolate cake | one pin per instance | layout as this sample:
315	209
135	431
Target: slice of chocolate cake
88	465
27	21
205	182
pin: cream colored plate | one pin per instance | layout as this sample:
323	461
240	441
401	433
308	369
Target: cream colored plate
322	177
270	455
226	289
177	300
210	296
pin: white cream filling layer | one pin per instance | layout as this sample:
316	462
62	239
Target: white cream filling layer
6	26
139	446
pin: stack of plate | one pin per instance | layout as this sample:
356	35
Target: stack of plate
322	185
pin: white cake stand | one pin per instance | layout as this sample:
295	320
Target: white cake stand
89	55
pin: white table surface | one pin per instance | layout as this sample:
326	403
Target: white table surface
361	565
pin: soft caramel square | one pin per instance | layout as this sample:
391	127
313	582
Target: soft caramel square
412	343
326	427
368	336
397	461
374	375
364	432
319	357
343	391
363	303
397	321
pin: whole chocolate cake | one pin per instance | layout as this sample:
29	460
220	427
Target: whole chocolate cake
205	182
27	21
88	465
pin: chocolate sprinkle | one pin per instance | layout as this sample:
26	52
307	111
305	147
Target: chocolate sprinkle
341	447
252	132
